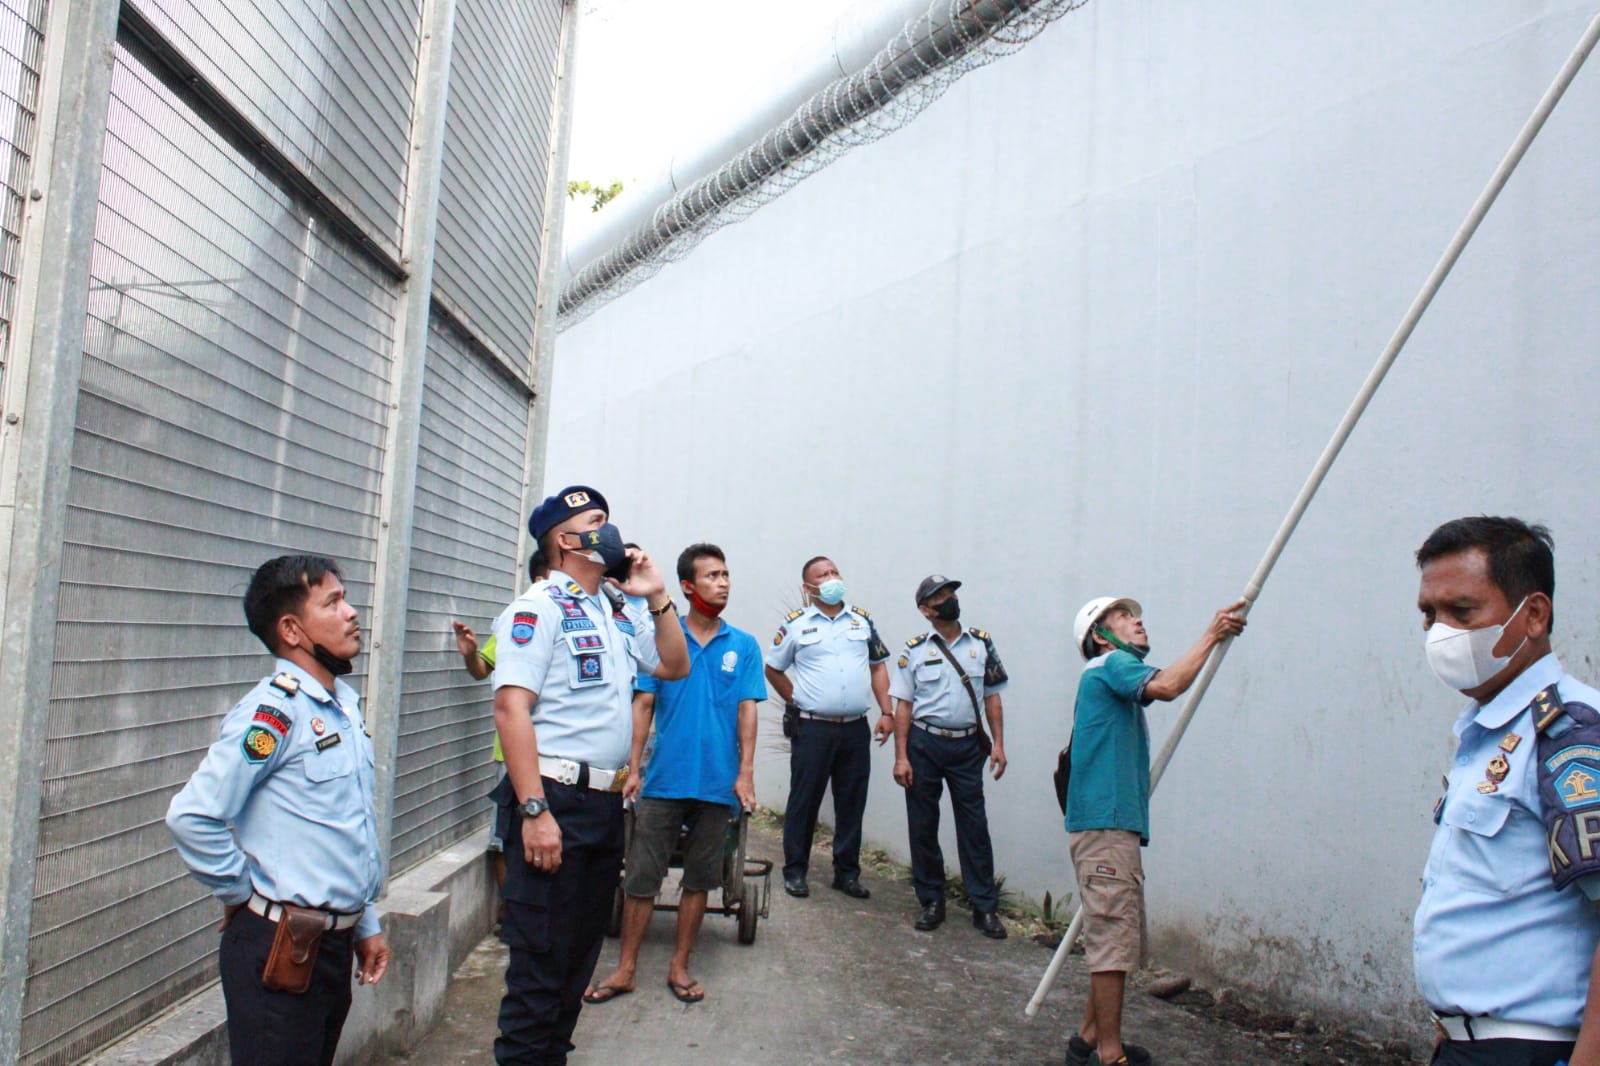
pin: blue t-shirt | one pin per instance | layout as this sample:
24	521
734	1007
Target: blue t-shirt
697	719
1110	784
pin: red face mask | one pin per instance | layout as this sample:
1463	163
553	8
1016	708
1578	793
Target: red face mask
699	604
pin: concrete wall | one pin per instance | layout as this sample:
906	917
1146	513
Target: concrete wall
1083	328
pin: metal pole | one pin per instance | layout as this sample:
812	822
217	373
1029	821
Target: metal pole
397	501
40	400
1391	351
549	292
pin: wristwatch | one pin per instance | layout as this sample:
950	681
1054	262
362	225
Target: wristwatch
535	807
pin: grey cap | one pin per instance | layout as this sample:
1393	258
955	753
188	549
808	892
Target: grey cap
932	584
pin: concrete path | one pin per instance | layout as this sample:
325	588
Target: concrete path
835	980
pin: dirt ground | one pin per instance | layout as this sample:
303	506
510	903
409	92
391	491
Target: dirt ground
837	980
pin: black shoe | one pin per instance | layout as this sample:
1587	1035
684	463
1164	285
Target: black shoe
1078	1050
1132	1055
796	887
851	887
989	924
932	916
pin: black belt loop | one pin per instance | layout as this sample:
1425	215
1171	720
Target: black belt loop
1466	1021
583	775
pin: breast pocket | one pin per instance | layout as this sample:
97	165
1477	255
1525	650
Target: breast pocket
330	763
1472	861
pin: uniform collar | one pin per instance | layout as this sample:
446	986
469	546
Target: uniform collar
844	608
310	686
960	635
722	627
1514	698
563	581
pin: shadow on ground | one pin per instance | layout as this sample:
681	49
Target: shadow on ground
830	979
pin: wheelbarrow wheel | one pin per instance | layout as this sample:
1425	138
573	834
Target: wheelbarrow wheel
614	926
749	913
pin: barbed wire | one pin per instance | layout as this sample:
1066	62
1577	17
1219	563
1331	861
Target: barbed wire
950	40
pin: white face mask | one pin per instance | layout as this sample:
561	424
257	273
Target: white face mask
1464	658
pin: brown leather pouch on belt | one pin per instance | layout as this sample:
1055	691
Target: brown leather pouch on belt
294	950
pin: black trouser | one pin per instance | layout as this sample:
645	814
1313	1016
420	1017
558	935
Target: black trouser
281	1028
555	923
1500	1053
958	760
824	752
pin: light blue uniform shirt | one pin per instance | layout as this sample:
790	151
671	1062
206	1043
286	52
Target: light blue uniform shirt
697	718
924	678
831	657
293	775
1492	935
1110	785
579	654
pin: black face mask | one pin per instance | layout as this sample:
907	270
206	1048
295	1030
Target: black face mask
607	543
949	610
332	663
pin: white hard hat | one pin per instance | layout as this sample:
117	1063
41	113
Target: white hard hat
1092	612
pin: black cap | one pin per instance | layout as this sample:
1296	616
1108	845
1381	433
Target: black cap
932	584
574	499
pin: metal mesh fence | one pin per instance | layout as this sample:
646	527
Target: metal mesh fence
951	39
232	407
328	84
463	551
21	42
491	197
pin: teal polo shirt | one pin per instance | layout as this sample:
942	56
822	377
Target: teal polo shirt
697	718
1110	784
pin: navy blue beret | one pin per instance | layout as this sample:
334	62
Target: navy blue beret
574	499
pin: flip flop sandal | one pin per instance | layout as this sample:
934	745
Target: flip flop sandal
686	992
604	993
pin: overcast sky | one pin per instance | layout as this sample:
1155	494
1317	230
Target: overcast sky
655	76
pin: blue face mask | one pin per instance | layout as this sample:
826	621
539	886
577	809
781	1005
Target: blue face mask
606	542
831	591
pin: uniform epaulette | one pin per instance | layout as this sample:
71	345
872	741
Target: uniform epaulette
1547	708
792	615
862	611
914	641
287	684
980	634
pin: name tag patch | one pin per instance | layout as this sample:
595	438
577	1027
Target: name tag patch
574	625
522	627
1109	871
330	741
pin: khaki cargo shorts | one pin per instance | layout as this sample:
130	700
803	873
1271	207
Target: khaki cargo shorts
1111	886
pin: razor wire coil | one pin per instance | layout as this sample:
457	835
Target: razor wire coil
948	41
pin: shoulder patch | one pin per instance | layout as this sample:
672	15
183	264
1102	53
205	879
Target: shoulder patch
287	684
792	615
1568	772
914	641
862	611
574	589
259	744
980	634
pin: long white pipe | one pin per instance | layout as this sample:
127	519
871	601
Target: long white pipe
1430	288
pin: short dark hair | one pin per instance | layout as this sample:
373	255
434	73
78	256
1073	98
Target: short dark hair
538	565
687	557
1521	556
279	587
813	561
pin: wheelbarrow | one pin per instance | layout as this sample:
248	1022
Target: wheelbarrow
746	883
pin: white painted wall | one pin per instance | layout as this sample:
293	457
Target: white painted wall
1083	328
